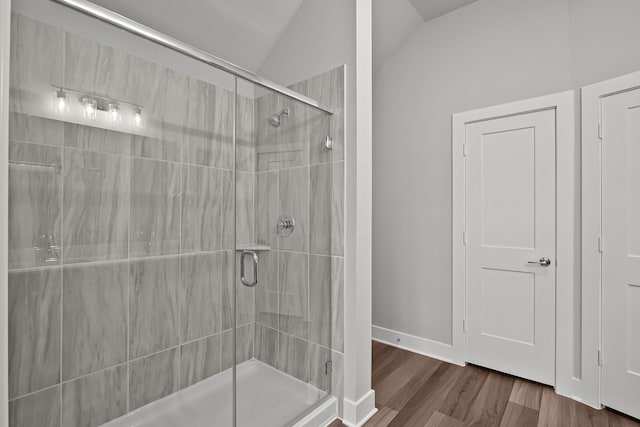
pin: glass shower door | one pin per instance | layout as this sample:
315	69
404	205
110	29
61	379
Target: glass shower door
121	248
185	220
283	257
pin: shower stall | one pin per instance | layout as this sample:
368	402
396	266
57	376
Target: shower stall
175	243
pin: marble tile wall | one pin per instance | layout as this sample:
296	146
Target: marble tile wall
121	244
299	311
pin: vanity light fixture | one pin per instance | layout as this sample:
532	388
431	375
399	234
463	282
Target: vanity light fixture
105	110
137	117
114	113
90	106
61	104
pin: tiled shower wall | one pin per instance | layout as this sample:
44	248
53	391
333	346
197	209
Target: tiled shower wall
121	244
299	304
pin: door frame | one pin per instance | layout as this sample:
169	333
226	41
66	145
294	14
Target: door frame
5	55
592	227
563	104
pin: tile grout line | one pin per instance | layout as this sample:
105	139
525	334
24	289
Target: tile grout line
280	260
254	199
127	155
231	261
256	213
129	286
125	363
62	242
308	282
220	294
288	168
114	261
234	296
297	337
179	287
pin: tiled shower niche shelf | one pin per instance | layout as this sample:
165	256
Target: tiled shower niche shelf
253	247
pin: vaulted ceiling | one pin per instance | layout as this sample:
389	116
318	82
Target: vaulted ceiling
240	31
244	31
431	9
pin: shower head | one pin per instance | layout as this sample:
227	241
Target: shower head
276	119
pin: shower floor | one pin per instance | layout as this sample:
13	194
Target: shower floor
266	398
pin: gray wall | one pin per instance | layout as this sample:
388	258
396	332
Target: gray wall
491	52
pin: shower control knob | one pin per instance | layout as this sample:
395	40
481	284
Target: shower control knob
286	224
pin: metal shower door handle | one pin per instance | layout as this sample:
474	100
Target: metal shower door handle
544	262
243	279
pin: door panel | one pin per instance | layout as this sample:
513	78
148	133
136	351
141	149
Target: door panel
508	215
511	295
621	252
633	334
510	220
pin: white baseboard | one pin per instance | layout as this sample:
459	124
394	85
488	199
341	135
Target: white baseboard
423	346
358	413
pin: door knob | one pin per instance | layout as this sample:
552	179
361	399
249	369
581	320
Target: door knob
544	261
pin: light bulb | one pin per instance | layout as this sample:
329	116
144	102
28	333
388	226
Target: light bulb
61	105
114	113
90	108
137	117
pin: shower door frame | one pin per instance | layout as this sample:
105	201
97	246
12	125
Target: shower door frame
148	33
5	55
324	406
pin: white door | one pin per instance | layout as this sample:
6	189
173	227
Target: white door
510	249
621	252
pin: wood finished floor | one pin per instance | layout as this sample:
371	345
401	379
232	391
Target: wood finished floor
417	391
